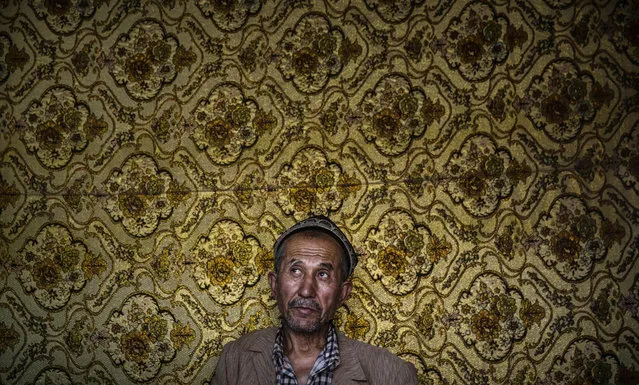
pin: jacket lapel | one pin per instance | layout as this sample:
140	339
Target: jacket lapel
262	351
349	370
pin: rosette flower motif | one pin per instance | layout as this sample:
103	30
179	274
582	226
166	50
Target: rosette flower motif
393	11
53	266
63	16
572	238
310	53
586	362
225	123
476	41
57	126
488	316
139	337
399	252
564	99
140	195
624	29
225	261
313	184
145	59
229	16
628	153
394	113
482	174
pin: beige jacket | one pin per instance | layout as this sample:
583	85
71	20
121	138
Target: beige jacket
248	361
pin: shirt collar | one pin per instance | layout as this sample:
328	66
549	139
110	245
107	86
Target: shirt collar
328	357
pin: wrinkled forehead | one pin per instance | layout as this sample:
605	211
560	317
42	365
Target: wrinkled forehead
311	237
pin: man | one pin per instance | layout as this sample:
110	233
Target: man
313	263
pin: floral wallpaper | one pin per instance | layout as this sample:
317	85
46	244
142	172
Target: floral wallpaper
482	155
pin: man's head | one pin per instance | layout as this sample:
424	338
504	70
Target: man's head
313	260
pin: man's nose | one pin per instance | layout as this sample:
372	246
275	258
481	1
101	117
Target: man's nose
307	288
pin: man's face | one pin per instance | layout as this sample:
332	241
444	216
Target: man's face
308	288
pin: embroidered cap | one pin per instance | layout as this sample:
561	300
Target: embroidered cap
324	224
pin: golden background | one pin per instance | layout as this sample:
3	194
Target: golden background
482	156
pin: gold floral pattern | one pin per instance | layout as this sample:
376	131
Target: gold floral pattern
312	184
564	99
225	261
139	195
394	113
396	252
63	16
139	337
478	40
585	362
229	16
52	266
572	239
482	156
489	318
393	12
146	59
57	126
482	175
225	123
309	53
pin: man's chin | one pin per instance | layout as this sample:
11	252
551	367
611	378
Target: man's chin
303	325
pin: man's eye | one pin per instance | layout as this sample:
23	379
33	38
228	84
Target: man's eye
323	274
295	270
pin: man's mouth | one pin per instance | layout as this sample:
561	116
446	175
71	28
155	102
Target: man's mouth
304	306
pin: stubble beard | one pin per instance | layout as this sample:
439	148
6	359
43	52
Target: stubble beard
304	324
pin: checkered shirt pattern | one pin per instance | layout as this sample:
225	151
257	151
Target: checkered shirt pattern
322	372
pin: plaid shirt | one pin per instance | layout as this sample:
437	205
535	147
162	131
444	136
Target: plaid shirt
322	372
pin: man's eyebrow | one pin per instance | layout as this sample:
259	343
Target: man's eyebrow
328	266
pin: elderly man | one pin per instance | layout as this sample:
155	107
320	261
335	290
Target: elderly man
313	263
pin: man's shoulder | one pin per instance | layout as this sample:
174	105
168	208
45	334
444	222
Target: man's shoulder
361	347
378	361
256	340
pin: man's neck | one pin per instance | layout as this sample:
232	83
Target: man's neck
296	343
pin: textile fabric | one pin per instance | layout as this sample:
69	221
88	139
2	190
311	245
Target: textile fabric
322	371
248	360
482	156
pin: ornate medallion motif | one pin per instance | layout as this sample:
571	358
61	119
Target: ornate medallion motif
400	251
628	154
63	16
139	337
313	185
482	175
226	122
394	113
229	16
477	41
225	261
490	316
393	12
146	59
53	266
574	237
141	194
585	362
309	53
57	126
564	99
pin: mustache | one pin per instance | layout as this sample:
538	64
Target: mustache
304	302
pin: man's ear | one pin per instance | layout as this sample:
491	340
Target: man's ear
272	281
347	286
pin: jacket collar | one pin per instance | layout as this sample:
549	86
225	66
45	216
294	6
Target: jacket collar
349	370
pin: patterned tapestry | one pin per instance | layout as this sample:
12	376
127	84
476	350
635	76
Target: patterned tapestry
483	156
